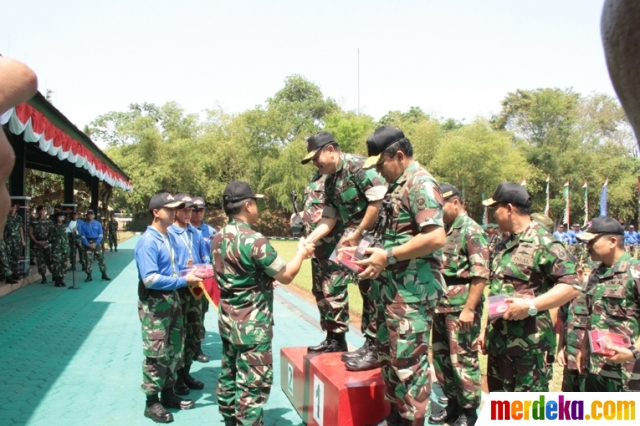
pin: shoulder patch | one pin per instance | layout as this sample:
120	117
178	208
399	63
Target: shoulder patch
558	251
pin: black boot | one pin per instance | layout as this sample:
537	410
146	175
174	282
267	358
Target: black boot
10	280
116	248
105	277
469	417
44	279
180	387
449	413
169	399
189	380
156	412
61	282
88	278
337	343
367	361
199	355
358	352
322	346
393	418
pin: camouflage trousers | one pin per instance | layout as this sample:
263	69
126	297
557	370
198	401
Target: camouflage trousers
455	358
41	255
369	325
5	269
113	240
194	328
330	291
572	381
162	340
517	373
598	383
246	376
403	351
59	258
14	251
98	254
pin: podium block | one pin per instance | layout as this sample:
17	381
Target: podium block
292	377
338	397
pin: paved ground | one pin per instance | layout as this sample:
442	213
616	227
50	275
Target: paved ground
73	357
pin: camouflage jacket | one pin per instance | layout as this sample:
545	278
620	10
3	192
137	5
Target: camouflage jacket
613	303
575	315
417	202
113	227
40	228
529	262
245	264
312	211
465	256
12	228
350	189
58	239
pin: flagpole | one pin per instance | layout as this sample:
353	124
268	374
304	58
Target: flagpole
586	202
546	207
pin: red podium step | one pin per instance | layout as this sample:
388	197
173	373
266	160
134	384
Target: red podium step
292	379
338	397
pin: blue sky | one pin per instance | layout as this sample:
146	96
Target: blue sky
455	58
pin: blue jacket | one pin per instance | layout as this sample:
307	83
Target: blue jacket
155	267
199	249
91	229
561	236
630	238
208	232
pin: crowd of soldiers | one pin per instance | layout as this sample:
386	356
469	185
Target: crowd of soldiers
57	243
423	268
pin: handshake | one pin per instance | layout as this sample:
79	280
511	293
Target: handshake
305	248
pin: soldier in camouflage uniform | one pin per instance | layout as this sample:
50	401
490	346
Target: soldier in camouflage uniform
572	322
352	199
329	279
246	266
59	249
38	233
408	272
457	323
112	228
159	310
613	304
538	274
14	239
5	270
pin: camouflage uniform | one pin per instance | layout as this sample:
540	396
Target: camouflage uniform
407	294
40	230
455	352
530	261
245	264
329	278
59	250
348	193
613	304
575	317
13	241
5	270
113	234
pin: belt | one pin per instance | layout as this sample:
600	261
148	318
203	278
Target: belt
456	280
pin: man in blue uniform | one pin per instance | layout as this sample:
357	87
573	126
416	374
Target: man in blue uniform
91	233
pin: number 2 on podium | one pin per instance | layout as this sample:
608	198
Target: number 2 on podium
290	379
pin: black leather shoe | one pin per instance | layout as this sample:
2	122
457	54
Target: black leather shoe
358	352
368	361
158	414
189	380
200	356
105	277
88	278
180	387
44	279
10	280
449	413
320	347
174	401
61	283
335	342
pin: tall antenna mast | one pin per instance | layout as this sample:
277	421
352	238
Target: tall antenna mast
358	81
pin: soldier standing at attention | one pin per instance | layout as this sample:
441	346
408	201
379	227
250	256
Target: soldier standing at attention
14	239
159	310
537	274
246	266
59	249
352	198
38	233
329	279
208	232
409	282
113	233
191	250
613	304
91	233
457	323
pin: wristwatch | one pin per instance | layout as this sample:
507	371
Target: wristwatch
635	352
391	259
532	311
